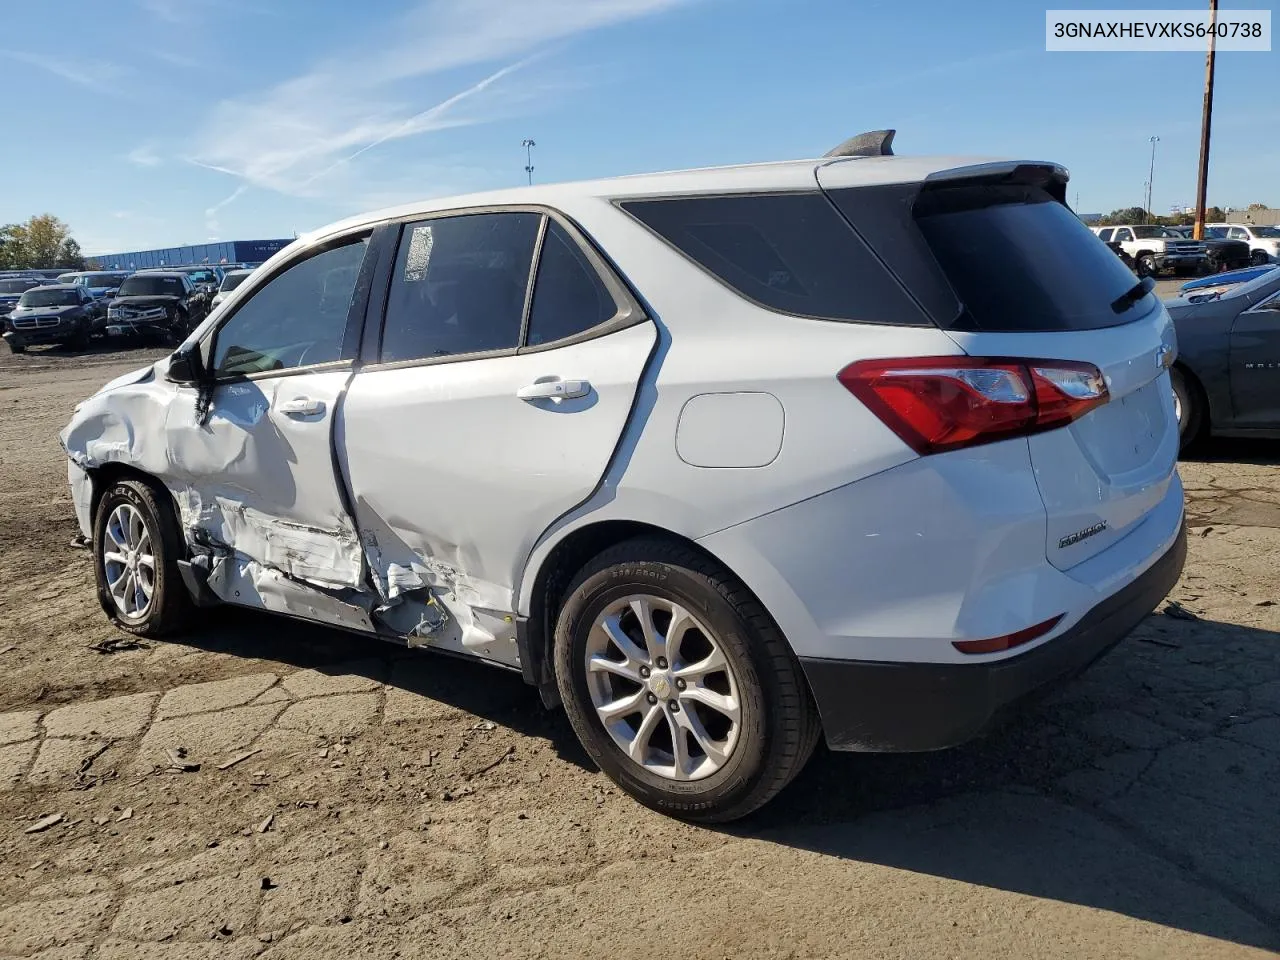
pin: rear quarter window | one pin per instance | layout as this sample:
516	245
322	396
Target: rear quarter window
1020	261
792	253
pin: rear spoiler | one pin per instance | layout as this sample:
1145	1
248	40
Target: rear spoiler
1050	177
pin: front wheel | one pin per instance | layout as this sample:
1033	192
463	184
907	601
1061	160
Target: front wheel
1147	267
679	685
1187	407
136	548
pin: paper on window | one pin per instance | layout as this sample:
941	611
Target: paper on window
419	256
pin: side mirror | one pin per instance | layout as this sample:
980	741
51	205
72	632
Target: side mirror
185	365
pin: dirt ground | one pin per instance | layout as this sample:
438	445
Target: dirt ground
395	804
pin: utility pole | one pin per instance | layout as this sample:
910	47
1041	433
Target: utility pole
528	158
1151	177
1206	122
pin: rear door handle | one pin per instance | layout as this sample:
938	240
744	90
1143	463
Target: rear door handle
554	389
302	407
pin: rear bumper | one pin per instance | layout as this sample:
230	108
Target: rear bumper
907	707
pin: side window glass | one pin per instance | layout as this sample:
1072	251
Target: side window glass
1124	235
459	285
568	295
1237	233
297	319
1105	235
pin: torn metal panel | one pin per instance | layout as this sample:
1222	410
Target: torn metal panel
328	558
250	584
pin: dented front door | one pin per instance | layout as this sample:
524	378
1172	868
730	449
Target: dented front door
252	450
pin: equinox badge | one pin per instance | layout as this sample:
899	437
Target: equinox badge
1085	534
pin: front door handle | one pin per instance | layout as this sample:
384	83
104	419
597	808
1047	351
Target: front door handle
554	389
302	407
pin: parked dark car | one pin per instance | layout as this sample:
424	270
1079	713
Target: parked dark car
58	313
1223	253
1226	379
11	288
100	284
160	306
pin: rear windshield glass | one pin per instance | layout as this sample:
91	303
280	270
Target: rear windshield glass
101	279
231	281
1019	260
17	286
49	298
791	252
140	285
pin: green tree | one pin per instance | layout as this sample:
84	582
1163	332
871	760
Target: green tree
45	235
69	255
13	254
1215	215
1127	215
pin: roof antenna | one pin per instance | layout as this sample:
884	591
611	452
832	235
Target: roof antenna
875	143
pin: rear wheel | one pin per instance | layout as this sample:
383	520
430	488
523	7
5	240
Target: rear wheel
679	685
136	548
1188	406
1259	258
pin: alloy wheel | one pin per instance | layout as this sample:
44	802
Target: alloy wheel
662	687
128	562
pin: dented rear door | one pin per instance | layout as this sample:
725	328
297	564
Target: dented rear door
493	407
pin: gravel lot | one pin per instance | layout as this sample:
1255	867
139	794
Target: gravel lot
408	805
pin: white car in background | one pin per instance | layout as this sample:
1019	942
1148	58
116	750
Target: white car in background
1264	242
230	280
722	460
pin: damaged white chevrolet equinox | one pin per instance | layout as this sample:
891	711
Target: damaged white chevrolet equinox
867	447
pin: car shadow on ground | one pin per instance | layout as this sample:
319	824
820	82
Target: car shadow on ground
1147	787
1235	450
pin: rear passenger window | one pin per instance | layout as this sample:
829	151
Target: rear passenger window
792	253
1105	235
568	295
459	285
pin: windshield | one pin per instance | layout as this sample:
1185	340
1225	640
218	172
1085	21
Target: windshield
231	281
203	276
1271	233
49	298
140	285
18	286
100	279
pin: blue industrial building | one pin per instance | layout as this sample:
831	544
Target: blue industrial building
230	251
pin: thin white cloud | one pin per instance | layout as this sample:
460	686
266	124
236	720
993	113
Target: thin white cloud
144	155
211	213
302	136
97	75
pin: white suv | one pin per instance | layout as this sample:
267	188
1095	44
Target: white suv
723	460
1264	242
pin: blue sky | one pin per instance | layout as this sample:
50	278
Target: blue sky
153	122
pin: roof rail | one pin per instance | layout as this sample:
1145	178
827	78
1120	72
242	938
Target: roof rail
875	143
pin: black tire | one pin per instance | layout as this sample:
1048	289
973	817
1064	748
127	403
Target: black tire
80	342
779	724
1147	266
1259	258
170	609
1190	401
16	346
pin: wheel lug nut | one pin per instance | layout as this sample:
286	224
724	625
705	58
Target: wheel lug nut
651	698
644	671
679	684
675	707
662	663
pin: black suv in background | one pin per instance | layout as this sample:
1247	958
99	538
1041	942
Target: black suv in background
161	306
59	313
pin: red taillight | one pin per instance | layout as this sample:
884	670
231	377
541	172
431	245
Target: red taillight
944	403
1008	641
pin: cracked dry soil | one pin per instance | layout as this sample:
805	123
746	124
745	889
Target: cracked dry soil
380	803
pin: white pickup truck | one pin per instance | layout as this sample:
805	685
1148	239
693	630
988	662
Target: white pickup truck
1264	242
1155	249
